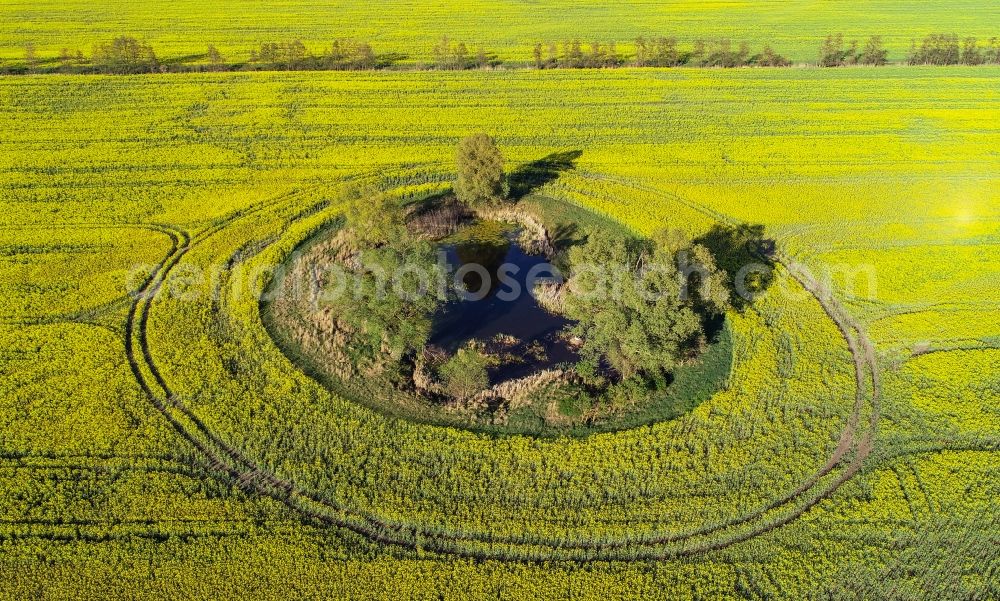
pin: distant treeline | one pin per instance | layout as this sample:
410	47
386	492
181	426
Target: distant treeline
935	49
659	52
940	49
126	55
450	55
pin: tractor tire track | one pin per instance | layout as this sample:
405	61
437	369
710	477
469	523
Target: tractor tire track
252	477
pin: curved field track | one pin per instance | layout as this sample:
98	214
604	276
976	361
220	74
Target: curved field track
855	445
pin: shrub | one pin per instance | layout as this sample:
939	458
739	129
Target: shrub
661	52
722	54
874	53
769	58
936	49
833	53
464	375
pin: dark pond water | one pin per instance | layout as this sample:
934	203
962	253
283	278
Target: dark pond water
507	305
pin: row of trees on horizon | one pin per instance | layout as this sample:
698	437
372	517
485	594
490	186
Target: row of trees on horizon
127	55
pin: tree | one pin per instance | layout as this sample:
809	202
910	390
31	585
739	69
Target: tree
614	59
742	254
442	53
723	55
346	55
851	55
214	57
461	56
874	53
971	53
665	53
65	59
703	281
297	54
124	55
69	58
464	375
596	58
829	54
573	55
375	218
284	55
454	56
537	52
480	171
697	55
626	297
364	56
391	298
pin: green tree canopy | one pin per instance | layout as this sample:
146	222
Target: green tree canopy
626	297
124	55
375	217
391	298
480	171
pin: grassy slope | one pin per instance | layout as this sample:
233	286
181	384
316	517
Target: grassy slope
185	27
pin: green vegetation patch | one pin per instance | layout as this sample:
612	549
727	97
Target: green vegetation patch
363	349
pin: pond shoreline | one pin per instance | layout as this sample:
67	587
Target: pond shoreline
526	402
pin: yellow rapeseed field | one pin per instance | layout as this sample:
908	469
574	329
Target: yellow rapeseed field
156	445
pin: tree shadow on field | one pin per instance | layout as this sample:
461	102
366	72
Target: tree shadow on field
746	256
389	59
567	235
531	176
